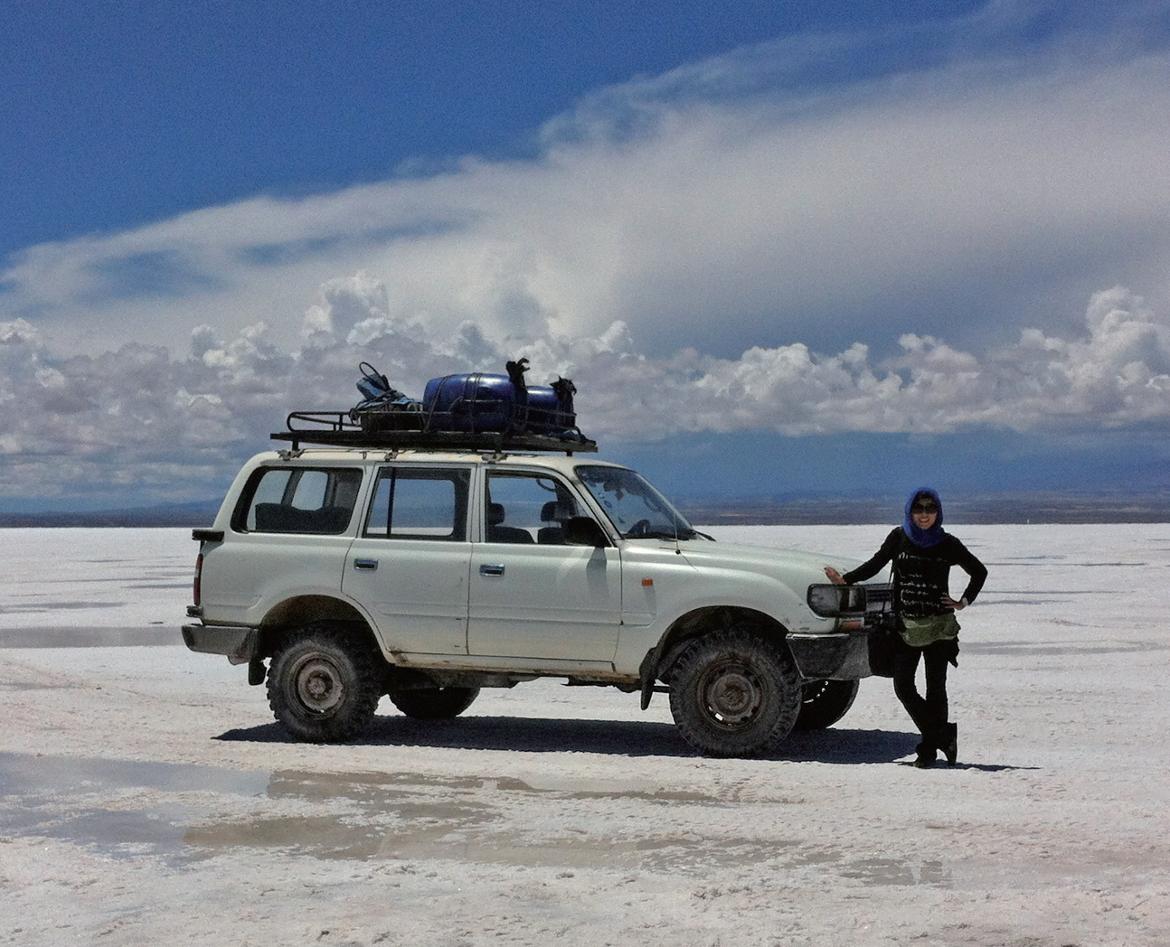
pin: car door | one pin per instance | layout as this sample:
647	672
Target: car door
533	596
409	563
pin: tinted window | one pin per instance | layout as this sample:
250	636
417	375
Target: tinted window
419	504
299	500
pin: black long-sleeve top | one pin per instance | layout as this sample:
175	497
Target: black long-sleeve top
920	575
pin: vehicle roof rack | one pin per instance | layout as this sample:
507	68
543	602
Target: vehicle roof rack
337	429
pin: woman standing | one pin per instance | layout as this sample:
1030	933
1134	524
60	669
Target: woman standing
922	553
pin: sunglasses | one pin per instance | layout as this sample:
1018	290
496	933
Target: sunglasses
924	508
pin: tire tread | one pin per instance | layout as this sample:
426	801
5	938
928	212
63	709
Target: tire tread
366	663
746	640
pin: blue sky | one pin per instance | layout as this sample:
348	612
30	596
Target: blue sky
780	247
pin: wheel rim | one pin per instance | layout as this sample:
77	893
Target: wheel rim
732	694
317	684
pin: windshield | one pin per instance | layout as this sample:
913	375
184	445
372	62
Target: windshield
635	508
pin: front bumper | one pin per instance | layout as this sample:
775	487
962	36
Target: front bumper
236	641
838	656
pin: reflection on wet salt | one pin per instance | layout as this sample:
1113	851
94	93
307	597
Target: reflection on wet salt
54	606
74	637
117	833
24	773
356	785
400	818
44	797
895	872
22	686
467	834
388	816
1062	647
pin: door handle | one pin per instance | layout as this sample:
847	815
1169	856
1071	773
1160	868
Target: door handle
491	570
367	564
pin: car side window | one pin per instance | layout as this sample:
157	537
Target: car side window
526	508
419	504
298	500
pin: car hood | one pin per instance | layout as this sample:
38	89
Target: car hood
794	567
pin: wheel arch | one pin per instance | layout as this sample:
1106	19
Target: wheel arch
301	610
695	623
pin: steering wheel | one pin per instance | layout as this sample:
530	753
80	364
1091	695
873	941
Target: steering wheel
640	528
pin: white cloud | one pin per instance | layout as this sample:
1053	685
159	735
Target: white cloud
726	247
168	424
961	201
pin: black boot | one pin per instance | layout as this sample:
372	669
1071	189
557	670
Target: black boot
951	747
926	755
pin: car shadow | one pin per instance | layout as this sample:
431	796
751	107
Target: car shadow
611	737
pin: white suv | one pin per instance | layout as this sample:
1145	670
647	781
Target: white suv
426	575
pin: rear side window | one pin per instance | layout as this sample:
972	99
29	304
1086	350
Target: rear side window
316	500
419	504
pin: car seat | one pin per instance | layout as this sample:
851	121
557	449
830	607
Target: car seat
503	534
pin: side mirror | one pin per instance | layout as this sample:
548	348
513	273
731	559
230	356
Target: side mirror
584	531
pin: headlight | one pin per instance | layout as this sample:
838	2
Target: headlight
829	601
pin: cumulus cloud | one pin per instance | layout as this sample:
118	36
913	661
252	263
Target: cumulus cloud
766	240
169	424
726	204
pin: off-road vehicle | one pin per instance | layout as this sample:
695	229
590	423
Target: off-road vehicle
427	567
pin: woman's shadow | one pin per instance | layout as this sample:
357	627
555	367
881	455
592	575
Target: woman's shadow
613	737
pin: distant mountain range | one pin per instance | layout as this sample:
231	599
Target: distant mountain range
198	513
1011	507
796	509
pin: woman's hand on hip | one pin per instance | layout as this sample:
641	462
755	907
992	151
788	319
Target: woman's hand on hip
957	604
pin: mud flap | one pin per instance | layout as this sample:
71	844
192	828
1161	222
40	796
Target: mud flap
649	674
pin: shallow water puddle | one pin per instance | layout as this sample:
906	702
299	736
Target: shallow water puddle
30	774
896	872
1029	648
74	637
55	797
115	807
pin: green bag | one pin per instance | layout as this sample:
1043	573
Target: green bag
919	632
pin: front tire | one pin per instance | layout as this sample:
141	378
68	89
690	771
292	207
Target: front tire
433	703
823	703
324	682
735	693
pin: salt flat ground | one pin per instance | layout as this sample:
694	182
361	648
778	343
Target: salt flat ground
146	796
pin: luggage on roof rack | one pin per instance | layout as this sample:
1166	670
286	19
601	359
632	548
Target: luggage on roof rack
473	402
469	403
465	411
338	429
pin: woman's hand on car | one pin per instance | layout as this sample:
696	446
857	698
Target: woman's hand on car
834	576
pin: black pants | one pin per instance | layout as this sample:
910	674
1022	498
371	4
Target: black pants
930	713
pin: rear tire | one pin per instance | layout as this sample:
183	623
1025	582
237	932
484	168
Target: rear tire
735	693
433	703
823	703
324	682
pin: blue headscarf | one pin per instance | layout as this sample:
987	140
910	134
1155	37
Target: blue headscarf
924	538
